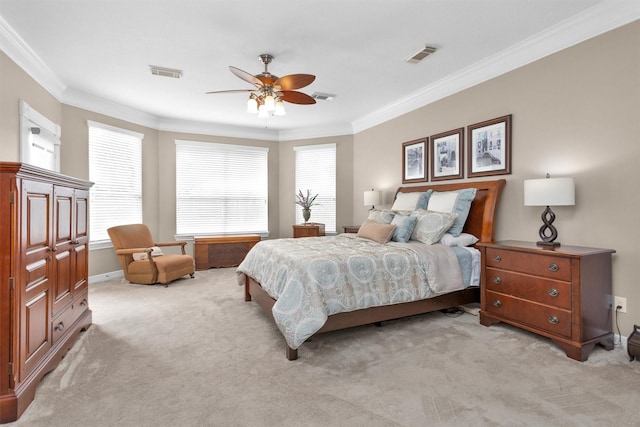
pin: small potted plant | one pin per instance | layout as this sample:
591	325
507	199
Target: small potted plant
305	202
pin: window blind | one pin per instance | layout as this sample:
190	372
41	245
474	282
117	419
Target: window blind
115	167
316	171
221	189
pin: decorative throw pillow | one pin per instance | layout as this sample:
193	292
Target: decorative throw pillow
406	201
431	226
453	201
382	216
375	231
423	200
404	228
141	256
464	239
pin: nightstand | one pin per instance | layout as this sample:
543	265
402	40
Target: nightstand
351	228
311	229
563	294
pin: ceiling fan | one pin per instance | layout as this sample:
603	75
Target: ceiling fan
271	90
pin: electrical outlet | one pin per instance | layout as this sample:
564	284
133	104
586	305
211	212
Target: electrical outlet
622	302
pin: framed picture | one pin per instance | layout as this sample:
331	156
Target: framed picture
414	161
447	154
489	147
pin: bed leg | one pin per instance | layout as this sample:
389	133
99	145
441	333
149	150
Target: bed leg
247	294
291	353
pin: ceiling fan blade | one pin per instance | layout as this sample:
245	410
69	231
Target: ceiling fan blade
297	97
294	81
229	91
245	76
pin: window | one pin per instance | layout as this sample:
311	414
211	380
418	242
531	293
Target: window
221	189
39	139
115	167
316	171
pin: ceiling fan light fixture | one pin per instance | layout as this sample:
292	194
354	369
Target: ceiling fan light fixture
252	106
279	111
270	103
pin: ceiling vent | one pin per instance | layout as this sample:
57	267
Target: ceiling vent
420	55
165	72
322	96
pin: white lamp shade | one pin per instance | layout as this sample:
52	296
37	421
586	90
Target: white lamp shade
252	106
371	198
549	192
279	111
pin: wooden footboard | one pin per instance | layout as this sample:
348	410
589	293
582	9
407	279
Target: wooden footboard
366	316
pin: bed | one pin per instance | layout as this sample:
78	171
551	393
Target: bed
326	312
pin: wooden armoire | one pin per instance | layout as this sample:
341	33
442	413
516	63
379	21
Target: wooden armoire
44	303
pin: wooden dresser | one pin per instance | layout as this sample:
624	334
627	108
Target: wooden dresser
44	302
311	229
563	293
222	251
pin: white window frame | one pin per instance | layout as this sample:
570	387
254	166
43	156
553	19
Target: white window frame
325	211
39	139
193	188
131	173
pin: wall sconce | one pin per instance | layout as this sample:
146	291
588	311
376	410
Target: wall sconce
372	198
549	192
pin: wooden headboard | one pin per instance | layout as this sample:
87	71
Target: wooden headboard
480	221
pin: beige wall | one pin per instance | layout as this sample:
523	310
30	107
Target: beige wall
575	114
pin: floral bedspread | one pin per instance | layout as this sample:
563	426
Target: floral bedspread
312	278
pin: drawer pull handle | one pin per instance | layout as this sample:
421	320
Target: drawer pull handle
497	280
59	326
553	320
497	303
83	302
497	258
553	267
553	292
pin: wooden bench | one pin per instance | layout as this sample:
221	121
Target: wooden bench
222	251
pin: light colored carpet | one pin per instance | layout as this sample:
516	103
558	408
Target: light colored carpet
196	354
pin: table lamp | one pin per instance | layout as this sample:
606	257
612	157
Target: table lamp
371	198
549	192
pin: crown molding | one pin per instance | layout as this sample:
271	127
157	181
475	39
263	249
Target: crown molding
217	129
336	129
603	17
19	51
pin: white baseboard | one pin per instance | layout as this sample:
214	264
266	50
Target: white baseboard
106	276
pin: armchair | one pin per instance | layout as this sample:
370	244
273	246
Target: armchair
136	239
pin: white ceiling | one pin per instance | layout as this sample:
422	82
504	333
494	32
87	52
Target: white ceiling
96	54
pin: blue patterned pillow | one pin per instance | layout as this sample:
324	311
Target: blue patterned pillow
404	228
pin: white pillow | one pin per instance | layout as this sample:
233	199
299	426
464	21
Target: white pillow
464	239
443	201
406	201
431	226
141	256
381	216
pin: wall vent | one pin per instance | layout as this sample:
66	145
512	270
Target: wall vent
165	72
420	55
322	96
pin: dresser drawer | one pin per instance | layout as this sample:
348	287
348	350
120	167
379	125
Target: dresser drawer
67	318
546	291
540	265
550	319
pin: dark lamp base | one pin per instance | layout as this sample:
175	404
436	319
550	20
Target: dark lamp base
544	244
